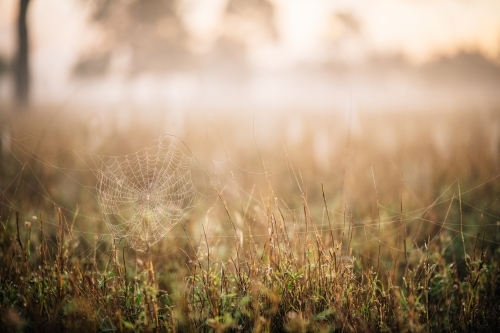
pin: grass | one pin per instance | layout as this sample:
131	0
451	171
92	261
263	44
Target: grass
403	238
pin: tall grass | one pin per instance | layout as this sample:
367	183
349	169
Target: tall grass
276	247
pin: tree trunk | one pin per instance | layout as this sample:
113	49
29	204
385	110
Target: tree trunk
22	69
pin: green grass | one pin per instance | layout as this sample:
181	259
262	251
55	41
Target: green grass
272	248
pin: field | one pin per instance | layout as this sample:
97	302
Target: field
296	222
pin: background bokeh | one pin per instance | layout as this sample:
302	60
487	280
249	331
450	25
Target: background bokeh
259	56
337	87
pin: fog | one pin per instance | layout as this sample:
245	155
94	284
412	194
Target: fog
257	56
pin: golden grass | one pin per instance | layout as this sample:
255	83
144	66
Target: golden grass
385	227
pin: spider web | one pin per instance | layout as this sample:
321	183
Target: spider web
145	194
121	184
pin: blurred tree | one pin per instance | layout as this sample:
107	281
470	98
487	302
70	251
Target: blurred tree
257	15
22	68
151	32
152	37
244	24
3	65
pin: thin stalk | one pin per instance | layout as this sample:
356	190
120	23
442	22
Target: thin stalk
461	218
328	215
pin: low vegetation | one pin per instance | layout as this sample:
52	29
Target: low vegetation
274	245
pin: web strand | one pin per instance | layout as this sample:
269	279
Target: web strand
145	194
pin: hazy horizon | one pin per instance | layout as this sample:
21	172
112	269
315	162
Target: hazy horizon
262	56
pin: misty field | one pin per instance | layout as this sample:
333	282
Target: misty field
317	223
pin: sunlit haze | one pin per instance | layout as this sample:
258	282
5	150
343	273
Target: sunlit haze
307	54
249	165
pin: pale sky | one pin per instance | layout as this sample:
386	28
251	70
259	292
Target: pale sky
418	29
309	31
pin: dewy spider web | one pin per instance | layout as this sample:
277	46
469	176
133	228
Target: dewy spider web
120	179
145	194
